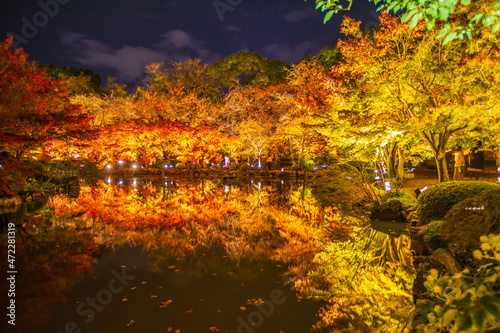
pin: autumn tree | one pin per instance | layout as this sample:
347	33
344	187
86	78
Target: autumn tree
249	68
482	13
190	77
409	81
77	81
33	107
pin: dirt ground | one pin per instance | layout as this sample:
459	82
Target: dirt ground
429	177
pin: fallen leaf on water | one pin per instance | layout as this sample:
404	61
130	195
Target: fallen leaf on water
190	311
124	299
214	329
133	288
171	267
242	308
254	301
165	304
131	322
144	282
153	296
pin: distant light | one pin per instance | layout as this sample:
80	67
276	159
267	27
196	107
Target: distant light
150	183
108	166
211	164
323	166
77	155
194	162
282	169
226	188
134	166
166	183
251	181
423	189
315	168
259	165
171	166
120	162
412	170
252	166
165	166
282	182
376	171
0	166
260	185
120	182
377	178
349	178
81	166
134	182
109	180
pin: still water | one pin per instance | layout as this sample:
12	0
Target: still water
135	255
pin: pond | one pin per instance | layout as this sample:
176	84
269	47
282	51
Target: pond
150	255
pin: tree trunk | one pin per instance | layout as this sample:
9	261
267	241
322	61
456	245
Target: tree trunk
441	166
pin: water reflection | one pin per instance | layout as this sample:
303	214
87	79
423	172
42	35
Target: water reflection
210	240
203	255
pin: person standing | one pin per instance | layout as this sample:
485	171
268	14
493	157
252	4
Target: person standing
459	164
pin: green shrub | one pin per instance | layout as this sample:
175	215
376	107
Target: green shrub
181	166
470	219
440	198
432	234
467	301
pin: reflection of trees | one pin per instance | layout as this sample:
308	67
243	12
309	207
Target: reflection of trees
49	258
222	226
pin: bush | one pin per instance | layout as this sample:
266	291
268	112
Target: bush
307	165
216	168
275	166
245	166
233	167
181	166
440	198
464	225
196	166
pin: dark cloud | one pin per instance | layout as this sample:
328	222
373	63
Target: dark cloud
301	15
128	62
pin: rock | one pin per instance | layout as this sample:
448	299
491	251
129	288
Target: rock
388	211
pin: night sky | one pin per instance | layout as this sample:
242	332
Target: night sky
119	37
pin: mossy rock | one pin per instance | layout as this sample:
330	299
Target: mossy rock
440	198
181	166
408	202
468	220
391	210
